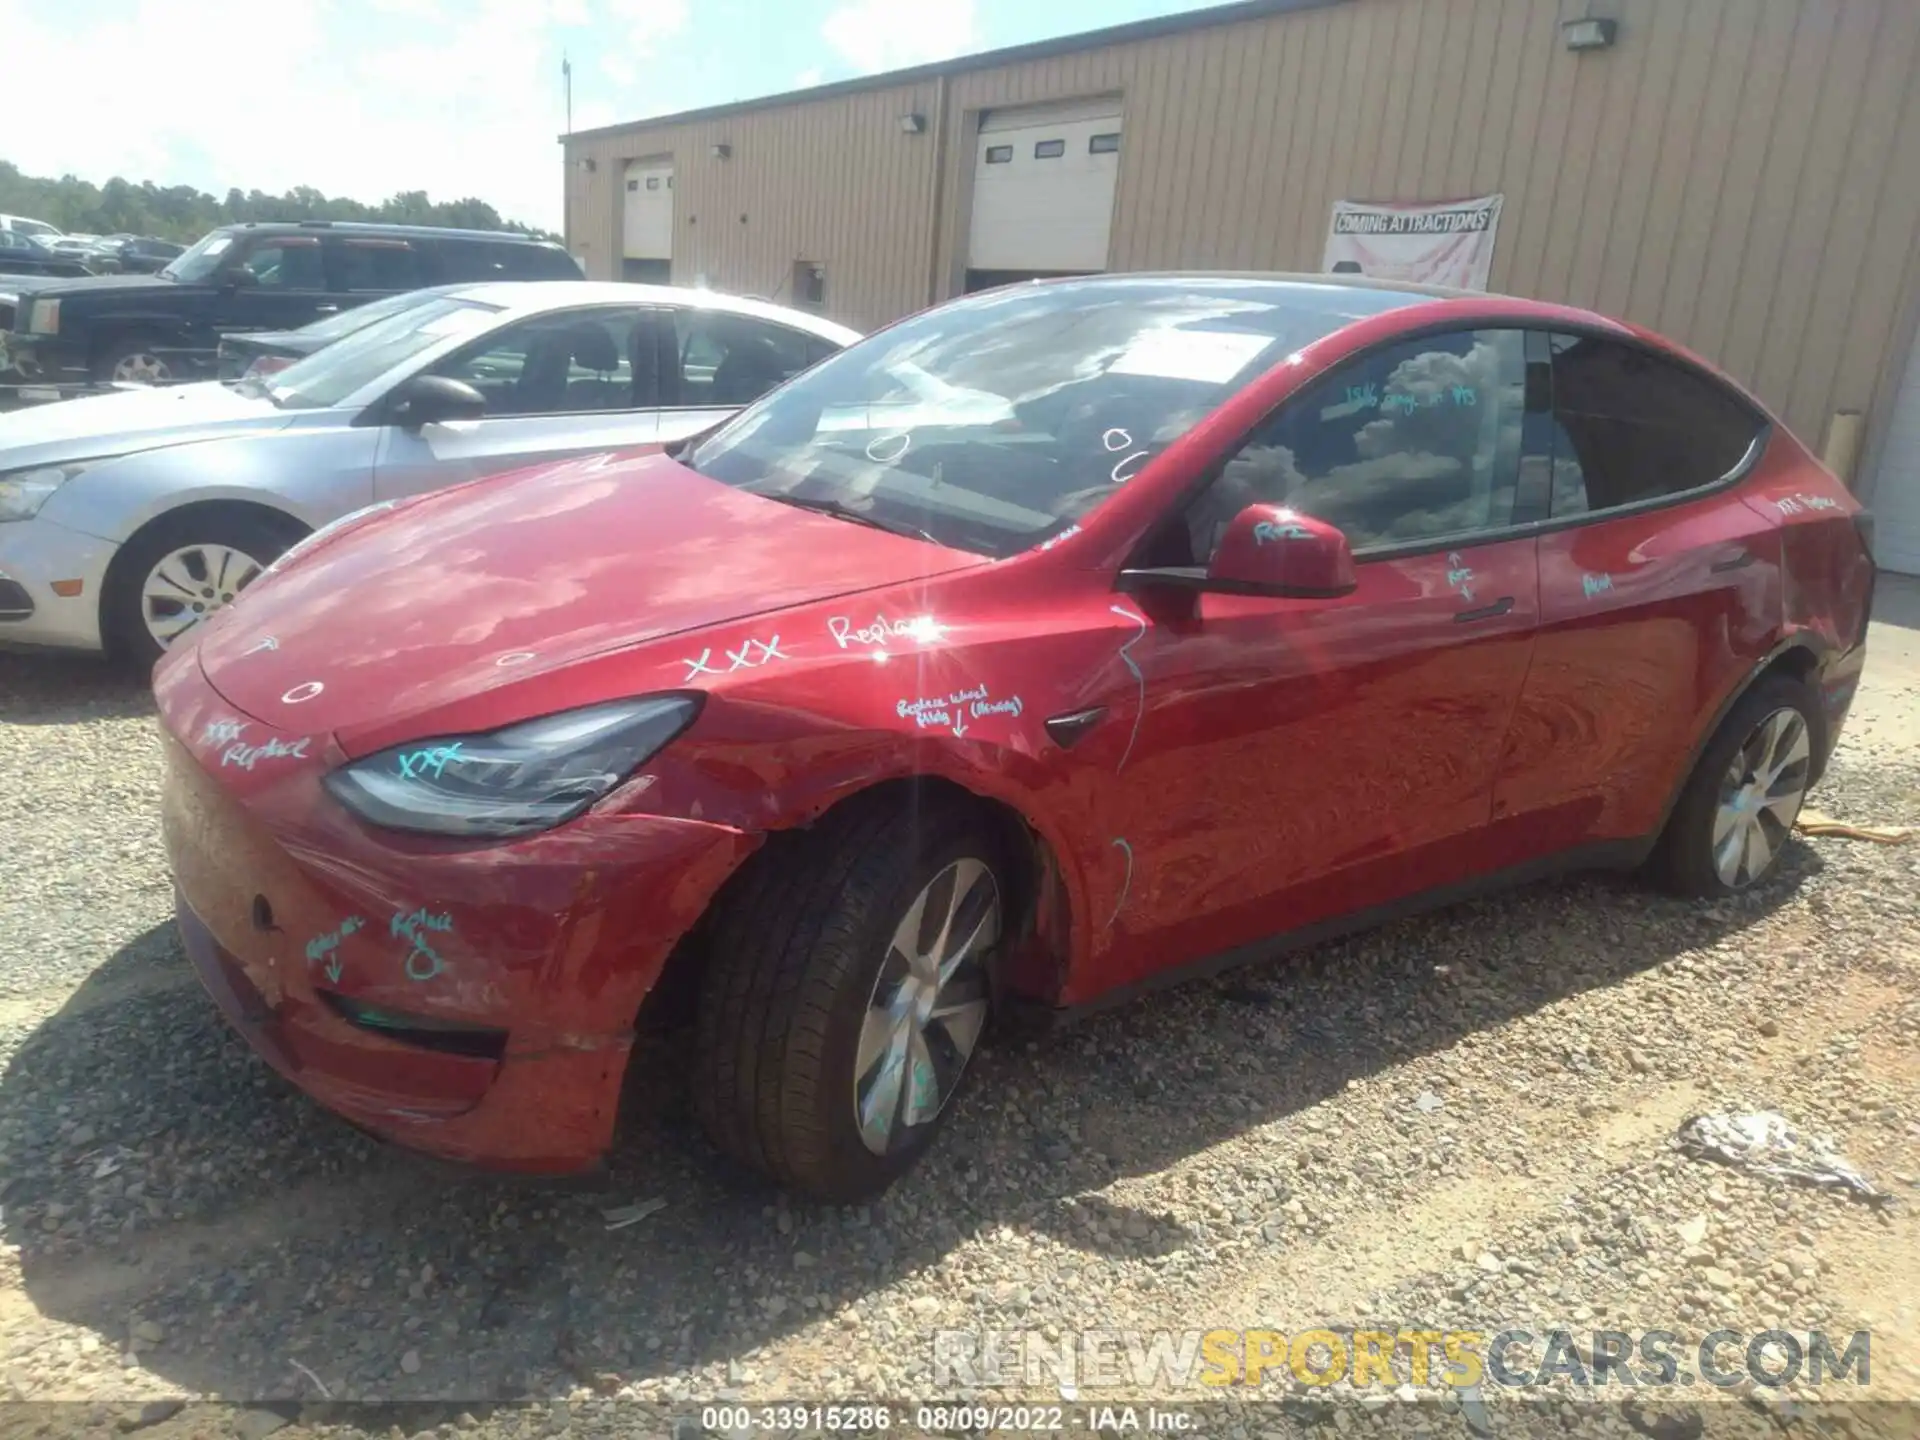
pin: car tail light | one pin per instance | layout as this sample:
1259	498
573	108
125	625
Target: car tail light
266	365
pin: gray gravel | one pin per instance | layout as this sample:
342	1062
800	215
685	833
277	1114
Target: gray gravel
1462	1120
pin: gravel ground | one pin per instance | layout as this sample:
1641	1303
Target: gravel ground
1464	1120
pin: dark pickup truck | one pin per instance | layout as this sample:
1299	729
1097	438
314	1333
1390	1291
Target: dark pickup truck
68	336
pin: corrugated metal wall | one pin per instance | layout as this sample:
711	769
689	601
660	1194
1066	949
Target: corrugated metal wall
1743	175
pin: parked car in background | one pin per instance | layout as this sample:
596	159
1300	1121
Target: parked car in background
1048	646
127	518
25	225
20	255
143	255
137	329
262	352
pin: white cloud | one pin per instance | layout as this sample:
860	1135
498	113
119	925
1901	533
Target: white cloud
462	109
648	22
875	35
808	78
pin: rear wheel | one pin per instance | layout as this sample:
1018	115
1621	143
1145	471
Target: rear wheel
849	987
1738	809
172	576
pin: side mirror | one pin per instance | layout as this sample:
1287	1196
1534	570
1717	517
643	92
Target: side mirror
1271	550
434	400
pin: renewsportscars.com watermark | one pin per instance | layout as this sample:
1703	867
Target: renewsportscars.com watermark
1139	1360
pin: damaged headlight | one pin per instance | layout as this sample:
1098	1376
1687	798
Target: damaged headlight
528	777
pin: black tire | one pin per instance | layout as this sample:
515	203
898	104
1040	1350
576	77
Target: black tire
1683	861
262	538
796	950
109	359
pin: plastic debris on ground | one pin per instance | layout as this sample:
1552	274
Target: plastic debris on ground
1765	1143
622	1216
1812	822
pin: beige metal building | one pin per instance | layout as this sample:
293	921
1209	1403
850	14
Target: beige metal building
1742	175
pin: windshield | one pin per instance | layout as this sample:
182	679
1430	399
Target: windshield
327	377
993	423
201	259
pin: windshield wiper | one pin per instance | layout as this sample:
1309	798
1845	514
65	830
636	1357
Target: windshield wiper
842	511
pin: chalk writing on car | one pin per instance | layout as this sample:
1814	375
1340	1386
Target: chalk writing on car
219	732
1592	585
431	761
921	629
1139	680
324	945
300	694
1268	531
247	756
1126	882
423	962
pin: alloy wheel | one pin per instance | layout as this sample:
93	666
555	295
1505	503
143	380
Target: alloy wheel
928	1005
191	583
1760	797
141	368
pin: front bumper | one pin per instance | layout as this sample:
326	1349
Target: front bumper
35	555
284	899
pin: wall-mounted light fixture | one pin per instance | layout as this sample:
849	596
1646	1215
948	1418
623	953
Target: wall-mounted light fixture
914	124
1590	34
588	163
722	151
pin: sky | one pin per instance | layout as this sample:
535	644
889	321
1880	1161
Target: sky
365	98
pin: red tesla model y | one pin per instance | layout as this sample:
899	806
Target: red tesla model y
1044	647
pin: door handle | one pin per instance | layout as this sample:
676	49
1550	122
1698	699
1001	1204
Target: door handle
1067	730
1485	612
326	309
1733	560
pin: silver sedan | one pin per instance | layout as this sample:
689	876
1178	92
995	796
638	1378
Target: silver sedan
126	519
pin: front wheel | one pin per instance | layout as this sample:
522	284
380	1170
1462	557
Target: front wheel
1739	806
174	575
850	983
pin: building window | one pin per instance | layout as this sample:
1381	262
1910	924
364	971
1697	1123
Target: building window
1104	144
633	185
1049	149
809	284
653	182
999	154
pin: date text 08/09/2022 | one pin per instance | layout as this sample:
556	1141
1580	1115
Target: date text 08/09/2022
943	1419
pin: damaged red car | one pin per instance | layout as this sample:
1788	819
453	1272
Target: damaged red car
1046	647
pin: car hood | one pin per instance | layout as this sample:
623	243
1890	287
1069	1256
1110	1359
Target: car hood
129	420
459	610
67	285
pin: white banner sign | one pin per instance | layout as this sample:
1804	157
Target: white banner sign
1446	244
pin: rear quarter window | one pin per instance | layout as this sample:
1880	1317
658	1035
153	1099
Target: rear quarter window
1632	426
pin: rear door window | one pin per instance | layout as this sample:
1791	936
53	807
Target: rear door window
1631	426
376	266
728	360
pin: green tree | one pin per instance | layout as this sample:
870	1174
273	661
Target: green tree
183	214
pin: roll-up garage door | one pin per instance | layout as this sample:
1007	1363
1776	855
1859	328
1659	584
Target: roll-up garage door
647	228
1043	183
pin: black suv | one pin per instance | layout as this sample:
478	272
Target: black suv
64	336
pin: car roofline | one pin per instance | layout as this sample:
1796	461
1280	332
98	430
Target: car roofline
533	297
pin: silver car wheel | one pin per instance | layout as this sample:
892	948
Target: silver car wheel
190	584
1760	797
141	368
927	1007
